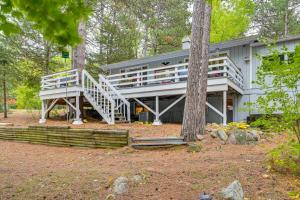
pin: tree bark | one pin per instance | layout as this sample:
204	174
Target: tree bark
78	53
286	19
195	101
4	96
204	69
47	58
145	46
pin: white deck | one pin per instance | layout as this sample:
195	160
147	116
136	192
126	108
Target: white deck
214	85
171	79
161	81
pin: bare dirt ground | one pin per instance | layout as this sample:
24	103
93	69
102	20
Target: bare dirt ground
24	118
41	172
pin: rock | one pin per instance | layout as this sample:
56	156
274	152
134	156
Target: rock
120	185
265	176
214	134
240	136
200	137
208	129
194	147
205	197
137	179
110	197
254	134
233	192
222	135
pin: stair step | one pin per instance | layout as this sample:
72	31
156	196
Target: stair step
158	144
157	139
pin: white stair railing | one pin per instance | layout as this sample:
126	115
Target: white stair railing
99	98
122	106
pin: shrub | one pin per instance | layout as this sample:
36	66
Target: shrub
27	98
285	159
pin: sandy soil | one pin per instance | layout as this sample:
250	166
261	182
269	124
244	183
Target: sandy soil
41	172
23	118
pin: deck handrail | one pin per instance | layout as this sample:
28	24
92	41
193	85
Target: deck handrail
98	97
223	67
61	72
60	79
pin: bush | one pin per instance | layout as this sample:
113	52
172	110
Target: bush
27	98
285	159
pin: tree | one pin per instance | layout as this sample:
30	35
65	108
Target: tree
163	23
230	19
60	24
277	18
194	110
8	71
113	33
279	79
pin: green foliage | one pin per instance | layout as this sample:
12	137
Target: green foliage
230	19
277	18
164	23
285	159
279	80
57	20
27	98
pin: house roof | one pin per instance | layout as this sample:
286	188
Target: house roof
250	40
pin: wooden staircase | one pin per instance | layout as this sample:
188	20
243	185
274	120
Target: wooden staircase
159	142
105	99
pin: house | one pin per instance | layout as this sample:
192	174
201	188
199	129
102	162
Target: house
153	88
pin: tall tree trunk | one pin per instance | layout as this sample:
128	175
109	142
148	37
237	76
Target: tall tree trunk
193	117
47	58
78	57
4	96
204	69
146	39
286	19
78	54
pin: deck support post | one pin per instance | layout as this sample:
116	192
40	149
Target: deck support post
77	120
224	108
157	122
43	114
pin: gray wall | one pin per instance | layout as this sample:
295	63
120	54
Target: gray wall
252	91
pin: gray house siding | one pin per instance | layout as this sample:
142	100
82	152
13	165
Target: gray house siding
252	91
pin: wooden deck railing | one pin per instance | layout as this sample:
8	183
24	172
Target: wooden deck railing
218	67
60	79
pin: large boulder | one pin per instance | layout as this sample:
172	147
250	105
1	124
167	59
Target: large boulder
121	185
222	135
242	136
233	192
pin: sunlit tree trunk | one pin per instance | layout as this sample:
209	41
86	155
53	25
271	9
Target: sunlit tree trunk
78	54
4	96
204	69
193	118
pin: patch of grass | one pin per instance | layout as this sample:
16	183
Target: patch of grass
294	195
285	159
194	147
197	187
61	185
